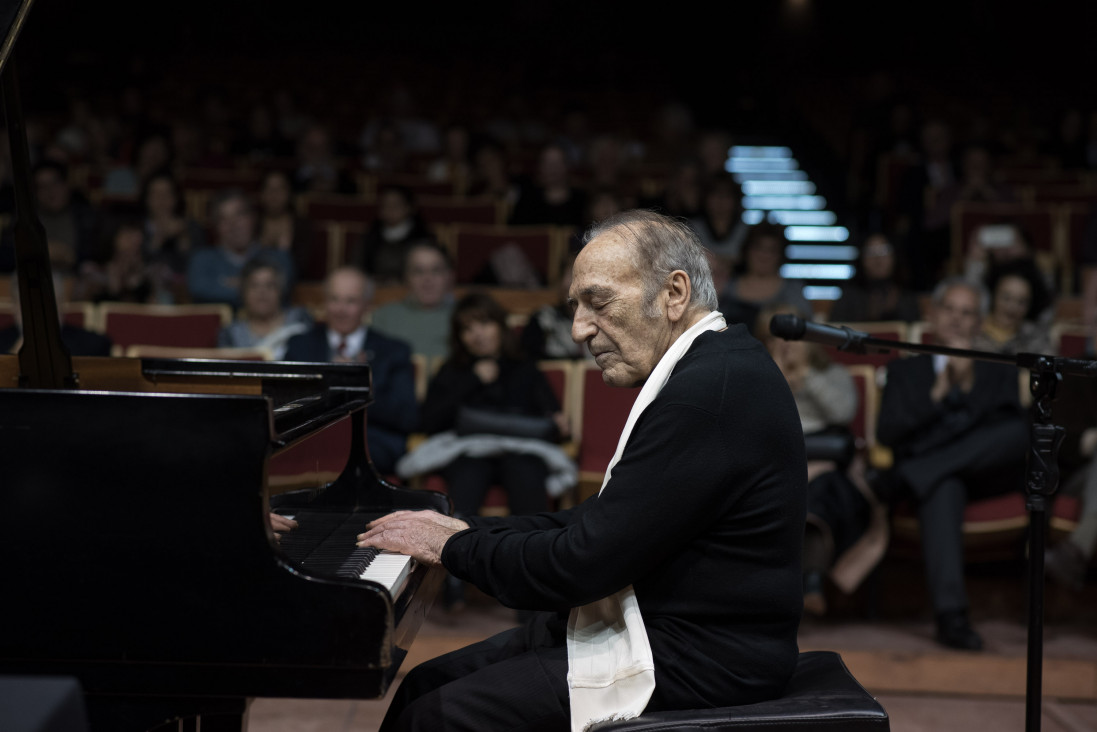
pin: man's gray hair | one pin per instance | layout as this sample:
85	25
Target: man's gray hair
949	283
660	245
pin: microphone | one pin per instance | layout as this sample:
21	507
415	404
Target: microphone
795	328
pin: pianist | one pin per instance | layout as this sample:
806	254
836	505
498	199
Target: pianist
676	587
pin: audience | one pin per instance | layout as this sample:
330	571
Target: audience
125	276
875	293
551	197
398	224
846	530
720	225
422	317
756	280
280	227
262	322
957	431
213	273
343	337
1020	309
487	390
78	340
547	333
73	226
170	236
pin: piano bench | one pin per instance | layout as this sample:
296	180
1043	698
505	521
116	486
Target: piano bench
822	695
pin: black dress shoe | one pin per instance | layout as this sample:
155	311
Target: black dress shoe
954	631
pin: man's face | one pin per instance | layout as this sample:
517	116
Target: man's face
429	277
345	303
607	296
235	225
956	319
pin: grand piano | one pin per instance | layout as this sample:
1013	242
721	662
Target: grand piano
134	496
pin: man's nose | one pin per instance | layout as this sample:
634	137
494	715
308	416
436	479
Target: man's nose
582	328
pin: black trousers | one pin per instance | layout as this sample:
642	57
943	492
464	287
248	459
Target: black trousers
521	475
987	462
515	681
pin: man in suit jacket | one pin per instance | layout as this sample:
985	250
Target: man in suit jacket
343	337
957	430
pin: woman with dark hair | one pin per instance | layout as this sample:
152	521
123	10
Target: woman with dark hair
386	241
486	380
756	280
1020	310
875	294
170	236
279	227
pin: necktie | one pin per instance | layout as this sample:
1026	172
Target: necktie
342	350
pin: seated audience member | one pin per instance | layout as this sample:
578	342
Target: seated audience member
422	318
689	555
262	321
124	277
957	431
386	241
79	341
73	227
551	198
280	227
846	530
213	274
491	174
1020	310
547	333
486	373
875	293
720	225
756	280
993	245
170	236
344	337
319	167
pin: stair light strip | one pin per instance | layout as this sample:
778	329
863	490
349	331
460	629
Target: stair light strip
825	252
805	271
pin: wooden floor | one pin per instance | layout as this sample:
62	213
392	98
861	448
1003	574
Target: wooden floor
922	685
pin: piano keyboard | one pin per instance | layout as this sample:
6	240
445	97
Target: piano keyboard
324	542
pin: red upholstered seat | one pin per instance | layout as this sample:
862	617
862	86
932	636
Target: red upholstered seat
603	412
889	330
189	326
474	244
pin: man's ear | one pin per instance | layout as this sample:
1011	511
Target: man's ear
677	293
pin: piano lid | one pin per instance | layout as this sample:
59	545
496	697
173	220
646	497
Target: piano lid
12	15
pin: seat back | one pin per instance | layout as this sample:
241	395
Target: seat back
473	246
188	326
892	330
604	411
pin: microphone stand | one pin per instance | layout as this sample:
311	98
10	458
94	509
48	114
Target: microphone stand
1042	467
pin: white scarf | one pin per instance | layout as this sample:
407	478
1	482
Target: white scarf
611	672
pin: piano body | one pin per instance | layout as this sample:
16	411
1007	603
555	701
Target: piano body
134	496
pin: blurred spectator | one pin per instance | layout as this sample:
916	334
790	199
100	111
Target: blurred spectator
386	241
1020	310
213	273
343	337
486	381
491	174
280	226
261	142
874	293
720	225
385	152
422	318
756	280
454	165
993	245
79	341
170	236
957	432
319	167
125	276
846	529
153	155
683	195
551	198
547	334
935	170
262	321
72	225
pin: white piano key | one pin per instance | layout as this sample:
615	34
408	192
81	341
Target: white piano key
389	569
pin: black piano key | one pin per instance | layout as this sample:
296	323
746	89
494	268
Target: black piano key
324	542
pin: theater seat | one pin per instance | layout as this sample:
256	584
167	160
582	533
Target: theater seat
822	695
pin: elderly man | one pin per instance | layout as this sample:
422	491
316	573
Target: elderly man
343	336
677	586
957	430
